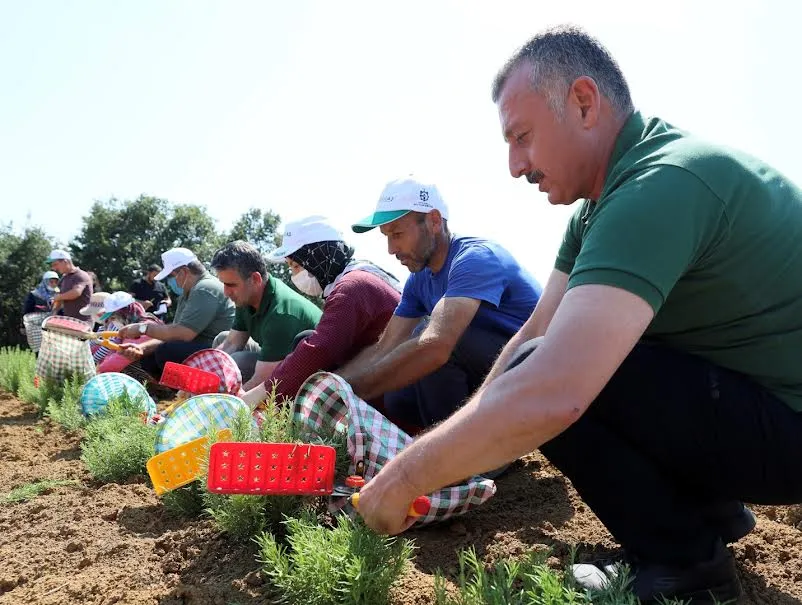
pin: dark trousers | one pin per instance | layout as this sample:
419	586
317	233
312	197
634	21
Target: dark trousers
671	445
174	350
435	397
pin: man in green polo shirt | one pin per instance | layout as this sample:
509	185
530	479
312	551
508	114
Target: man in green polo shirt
269	313
666	381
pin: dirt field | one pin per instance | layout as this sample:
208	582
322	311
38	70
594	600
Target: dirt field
105	544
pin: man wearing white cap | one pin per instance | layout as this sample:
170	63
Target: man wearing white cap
202	312
75	287
269	313
475	293
359	299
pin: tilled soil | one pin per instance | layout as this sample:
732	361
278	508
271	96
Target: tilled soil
104	544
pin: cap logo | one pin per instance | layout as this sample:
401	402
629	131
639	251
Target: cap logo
424	195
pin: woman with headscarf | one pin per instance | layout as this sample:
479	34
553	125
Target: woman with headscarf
358	300
40	299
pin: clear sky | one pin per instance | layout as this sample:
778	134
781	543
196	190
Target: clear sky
308	107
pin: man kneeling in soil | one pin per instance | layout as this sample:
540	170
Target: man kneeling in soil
667	385
464	299
203	312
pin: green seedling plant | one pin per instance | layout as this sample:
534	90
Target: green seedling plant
320	566
66	409
37	488
243	516
118	444
17	368
529	581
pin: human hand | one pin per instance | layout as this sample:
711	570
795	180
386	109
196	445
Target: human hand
384	503
131	331
131	351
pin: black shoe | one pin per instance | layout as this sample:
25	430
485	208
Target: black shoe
713	581
732	520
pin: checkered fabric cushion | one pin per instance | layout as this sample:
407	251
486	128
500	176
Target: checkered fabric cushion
220	363
33	328
196	417
61	355
97	392
326	402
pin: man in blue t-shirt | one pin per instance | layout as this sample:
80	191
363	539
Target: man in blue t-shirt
465	298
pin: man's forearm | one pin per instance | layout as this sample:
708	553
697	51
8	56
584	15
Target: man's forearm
169	332
68	295
261	374
365	358
508	353
468	442
410	361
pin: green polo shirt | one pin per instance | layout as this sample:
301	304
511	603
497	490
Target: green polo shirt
282	314
710	238
205	309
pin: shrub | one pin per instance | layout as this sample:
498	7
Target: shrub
17	369
66	408
320	566
118	444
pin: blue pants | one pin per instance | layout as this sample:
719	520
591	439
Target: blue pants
435	397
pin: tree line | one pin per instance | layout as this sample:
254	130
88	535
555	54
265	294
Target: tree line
117	240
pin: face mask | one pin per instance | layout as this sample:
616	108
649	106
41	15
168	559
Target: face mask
51	288
173	285
307	284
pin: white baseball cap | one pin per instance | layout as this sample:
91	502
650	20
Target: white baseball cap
114	302
309	230
95	307
400	197
58	255
49	275
173	259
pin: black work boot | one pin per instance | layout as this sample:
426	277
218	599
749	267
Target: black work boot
732	520
705	583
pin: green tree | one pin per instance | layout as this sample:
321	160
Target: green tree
22	262
260	228
120	238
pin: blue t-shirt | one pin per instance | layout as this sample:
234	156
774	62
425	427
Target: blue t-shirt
480	269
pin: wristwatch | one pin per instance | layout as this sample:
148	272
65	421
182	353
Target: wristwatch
143	329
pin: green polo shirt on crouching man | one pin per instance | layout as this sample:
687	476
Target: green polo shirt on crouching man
711	238
281	316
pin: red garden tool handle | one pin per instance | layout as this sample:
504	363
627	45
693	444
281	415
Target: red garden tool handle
420	506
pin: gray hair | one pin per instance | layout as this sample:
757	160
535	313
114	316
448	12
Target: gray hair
560	55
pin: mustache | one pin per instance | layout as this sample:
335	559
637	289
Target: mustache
534	176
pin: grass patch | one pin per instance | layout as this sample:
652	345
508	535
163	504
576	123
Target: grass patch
118	444
17	369
320	566
37	488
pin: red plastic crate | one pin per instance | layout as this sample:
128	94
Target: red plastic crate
271	469
191	380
